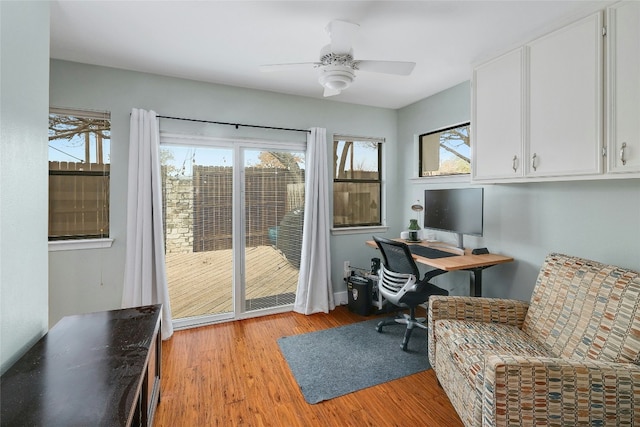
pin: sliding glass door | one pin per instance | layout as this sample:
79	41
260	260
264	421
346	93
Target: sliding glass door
198	222
233	227
274	209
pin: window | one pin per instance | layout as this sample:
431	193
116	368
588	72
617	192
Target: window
445	152
357	182
79	150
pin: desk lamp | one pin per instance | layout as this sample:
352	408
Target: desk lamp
413	223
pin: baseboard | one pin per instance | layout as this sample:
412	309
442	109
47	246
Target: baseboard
340	298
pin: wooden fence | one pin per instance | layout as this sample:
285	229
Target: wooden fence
78	199
270	195
357	202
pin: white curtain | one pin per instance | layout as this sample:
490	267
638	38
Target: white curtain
315	292
145	278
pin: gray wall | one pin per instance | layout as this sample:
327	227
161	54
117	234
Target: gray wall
594	219
597	219
90	280
24	105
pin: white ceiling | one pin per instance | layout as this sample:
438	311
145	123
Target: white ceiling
226	41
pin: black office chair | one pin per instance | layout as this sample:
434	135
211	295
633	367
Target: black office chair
399	284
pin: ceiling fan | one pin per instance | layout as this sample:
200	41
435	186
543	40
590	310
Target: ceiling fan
337	67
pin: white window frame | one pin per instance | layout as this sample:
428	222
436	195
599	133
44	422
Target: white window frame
91	243
448	178
382	170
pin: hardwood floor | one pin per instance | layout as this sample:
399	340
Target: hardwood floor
233	374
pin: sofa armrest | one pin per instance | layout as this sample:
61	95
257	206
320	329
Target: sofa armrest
474	309
522	390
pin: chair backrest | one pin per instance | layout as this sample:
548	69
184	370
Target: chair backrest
394	285
583	309
397	256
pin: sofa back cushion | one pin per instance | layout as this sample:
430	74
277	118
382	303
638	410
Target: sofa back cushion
583	309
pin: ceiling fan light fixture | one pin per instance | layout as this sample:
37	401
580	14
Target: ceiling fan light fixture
337	66
336	77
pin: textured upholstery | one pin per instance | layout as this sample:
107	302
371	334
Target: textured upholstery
585	310
568	357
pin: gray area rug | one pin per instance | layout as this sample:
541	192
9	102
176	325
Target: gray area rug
338	361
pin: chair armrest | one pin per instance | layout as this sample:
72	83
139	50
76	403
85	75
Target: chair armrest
522	390
474	309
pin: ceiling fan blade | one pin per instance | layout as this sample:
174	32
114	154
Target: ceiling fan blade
388	67
331	92
294	65
341	34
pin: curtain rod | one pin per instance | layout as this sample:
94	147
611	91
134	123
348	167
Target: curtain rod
237	125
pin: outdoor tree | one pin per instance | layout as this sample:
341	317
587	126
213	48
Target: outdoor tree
340	159
280	159
452	139
344	153
78	131
167	162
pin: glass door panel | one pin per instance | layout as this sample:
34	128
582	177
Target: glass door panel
198	209
274	210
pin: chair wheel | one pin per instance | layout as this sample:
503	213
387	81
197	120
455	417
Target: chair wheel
378	328
404	347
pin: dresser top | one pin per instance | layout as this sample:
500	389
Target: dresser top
87	370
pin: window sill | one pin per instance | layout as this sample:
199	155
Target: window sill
72	245
466	178
359	230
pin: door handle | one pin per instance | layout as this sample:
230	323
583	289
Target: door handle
533	162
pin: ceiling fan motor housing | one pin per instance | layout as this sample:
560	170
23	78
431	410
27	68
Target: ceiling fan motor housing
336	77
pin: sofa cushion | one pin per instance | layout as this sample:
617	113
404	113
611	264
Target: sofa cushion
467	343
583	309
462	347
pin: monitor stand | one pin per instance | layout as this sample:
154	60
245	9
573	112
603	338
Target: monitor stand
459	249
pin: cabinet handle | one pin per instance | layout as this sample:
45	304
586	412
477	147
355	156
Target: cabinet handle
622	159
533	161
514	165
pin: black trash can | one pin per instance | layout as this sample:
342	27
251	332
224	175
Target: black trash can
359	295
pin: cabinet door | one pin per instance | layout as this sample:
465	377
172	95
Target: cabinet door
623	36
497	118
565	103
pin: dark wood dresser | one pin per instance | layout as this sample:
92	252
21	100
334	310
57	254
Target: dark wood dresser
97	369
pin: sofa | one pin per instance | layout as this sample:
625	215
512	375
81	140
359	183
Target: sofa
568	357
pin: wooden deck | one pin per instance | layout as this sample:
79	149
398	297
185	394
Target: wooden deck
200	283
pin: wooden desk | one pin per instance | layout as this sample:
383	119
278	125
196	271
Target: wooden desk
467	262
98	369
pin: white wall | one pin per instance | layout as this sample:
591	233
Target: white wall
90	280
24	79
598	219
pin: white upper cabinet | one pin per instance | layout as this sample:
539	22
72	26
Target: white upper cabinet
623	87
537	112
497	122
565	101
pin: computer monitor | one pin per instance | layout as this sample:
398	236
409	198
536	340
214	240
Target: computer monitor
456	210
